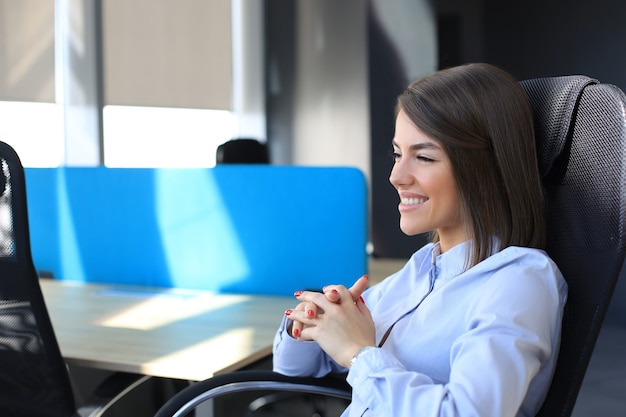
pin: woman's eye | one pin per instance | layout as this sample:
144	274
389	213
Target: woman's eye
424	158
394	155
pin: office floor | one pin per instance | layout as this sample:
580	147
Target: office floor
603	392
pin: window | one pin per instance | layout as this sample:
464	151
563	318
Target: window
31	121
129	84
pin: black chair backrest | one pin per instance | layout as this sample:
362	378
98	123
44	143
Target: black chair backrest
581	136
242	151
33	378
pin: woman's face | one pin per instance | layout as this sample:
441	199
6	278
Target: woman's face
422	175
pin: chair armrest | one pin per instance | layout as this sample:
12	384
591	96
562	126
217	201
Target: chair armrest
240	381
109	392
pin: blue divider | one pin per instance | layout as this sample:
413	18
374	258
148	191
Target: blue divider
236	228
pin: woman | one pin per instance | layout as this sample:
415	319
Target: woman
471	325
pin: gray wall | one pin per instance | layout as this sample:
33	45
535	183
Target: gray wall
538	38
316	65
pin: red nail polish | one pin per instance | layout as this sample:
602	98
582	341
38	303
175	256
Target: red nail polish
334	291
366	276
310	313
297	293
288	312
296	332
361	299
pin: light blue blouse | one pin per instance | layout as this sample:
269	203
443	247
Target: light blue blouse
477	343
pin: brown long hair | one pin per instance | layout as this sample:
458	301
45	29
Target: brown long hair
483	120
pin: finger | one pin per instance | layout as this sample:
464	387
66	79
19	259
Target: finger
296	329
356	290
332	295
310	310
359	287
296	326
360	304
312	300
300	325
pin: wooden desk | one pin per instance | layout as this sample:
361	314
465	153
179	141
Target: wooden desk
190	335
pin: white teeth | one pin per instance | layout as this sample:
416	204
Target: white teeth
413	200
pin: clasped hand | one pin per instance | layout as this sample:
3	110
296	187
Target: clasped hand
337	319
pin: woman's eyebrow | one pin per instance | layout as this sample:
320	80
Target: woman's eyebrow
420	146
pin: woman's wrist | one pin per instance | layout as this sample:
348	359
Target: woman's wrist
359	353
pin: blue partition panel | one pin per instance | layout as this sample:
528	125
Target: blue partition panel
236	228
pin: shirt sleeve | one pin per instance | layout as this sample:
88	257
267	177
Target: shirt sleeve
506	354
300	358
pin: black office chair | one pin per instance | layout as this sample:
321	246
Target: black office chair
34	379
242	151
581	134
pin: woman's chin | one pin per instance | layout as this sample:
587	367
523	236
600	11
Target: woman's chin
411	231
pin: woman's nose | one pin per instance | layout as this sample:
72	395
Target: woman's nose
399	175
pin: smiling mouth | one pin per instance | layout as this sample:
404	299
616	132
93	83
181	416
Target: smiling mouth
413	201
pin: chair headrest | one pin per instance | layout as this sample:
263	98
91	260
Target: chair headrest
554	101
4	178
3	181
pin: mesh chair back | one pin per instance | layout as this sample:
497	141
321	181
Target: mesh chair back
33	378
242	151
581	134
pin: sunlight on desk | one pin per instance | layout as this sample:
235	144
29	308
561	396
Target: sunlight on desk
162	308
190	335
234	345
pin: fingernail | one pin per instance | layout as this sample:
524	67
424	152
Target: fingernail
334	291
296	332
366	276
297	293
310	313
288	312
361	299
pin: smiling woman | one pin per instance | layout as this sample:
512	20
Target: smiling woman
423	176
471	324
481	118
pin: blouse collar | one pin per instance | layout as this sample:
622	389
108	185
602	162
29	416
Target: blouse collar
451	263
